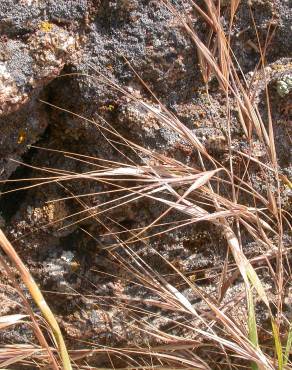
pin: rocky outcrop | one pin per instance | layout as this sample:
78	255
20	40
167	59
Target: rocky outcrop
58	52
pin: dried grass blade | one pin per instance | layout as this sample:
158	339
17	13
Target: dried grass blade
6	321
202	180
233	7
247	271
182	299
16	359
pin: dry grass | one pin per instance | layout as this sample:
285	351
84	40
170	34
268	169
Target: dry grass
197	194
41	303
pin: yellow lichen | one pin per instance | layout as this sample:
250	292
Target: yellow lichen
108	108
75	266
21	137
46	26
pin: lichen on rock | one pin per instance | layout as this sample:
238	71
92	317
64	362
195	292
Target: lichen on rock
26	66
10	97
284	85
51	47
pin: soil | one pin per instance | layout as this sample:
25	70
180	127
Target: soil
51	55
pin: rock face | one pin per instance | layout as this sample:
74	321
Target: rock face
41	40
28	66
57	53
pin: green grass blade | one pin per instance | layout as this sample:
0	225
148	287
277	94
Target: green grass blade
278	346
252	325
288	345
255	281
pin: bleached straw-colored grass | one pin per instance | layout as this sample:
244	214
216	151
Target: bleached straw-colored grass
195	194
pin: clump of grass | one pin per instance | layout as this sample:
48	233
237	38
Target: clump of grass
195	193
41	303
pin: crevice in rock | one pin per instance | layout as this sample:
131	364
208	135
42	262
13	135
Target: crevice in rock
11	201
